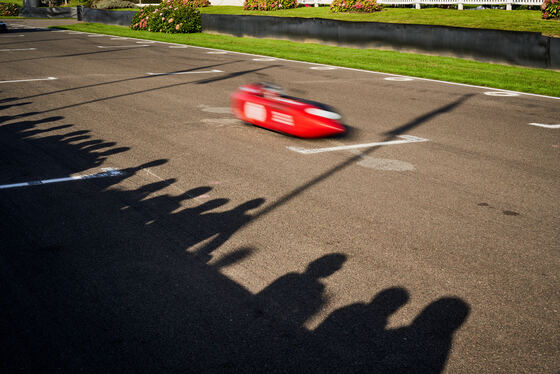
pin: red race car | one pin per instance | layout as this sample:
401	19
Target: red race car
265	106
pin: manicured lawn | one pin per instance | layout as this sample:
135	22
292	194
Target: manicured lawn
515	20
539	81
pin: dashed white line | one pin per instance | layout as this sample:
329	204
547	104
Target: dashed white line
107	172
502	93
406	139
545	126
188	72
30	80
123	46
18	49
399	79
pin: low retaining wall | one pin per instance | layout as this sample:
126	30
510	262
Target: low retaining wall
512	47
49	12
108	17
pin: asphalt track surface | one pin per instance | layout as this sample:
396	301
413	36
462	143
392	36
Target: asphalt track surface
213	247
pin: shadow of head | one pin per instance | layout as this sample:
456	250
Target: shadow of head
443	316
389	301
250	205
326	265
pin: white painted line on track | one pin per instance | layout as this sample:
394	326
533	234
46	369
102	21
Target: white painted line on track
218	52
399	79
545	126
501	93
146	42
264	59
178	46
119	38
188	72
95	35
123	46
406	139
30	80
107	172
323	67
12	36
18	49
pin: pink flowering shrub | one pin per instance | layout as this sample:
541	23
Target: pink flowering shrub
8	9
170	16
191	3
363	6
550	9
269	4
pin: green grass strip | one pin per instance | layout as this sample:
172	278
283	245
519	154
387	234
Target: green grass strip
538	81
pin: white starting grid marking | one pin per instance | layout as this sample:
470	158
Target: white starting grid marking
123	46
12	36
399	79
30	80
545	126
406	139
18	49
107	172
188	72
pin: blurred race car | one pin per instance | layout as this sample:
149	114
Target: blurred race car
264	105
3	27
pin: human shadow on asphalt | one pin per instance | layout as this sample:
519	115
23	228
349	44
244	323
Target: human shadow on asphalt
120	275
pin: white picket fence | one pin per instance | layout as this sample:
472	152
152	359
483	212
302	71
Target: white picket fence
418	3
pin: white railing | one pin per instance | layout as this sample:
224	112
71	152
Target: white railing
416	3
459	3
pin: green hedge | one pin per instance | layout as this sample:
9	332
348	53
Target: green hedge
9	10
362	6
550	9
269	4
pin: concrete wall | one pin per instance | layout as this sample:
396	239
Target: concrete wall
555	53
108	17
518	48
49	12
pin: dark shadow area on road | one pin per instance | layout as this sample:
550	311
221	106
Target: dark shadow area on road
19	42
66	55
234	75
120	81
152	89
96	277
